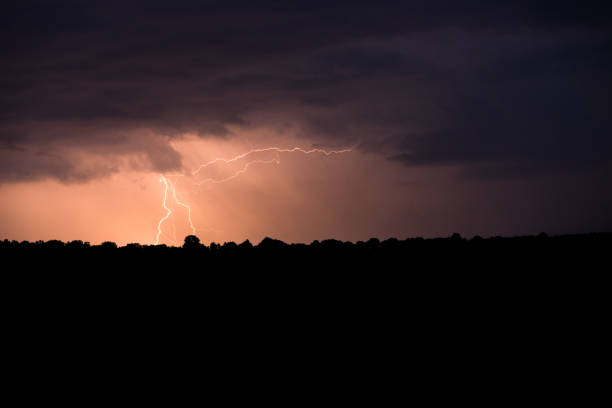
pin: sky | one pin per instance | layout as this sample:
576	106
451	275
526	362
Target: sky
477	117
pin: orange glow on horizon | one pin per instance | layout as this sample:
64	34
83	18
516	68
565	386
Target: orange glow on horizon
228	190
168	184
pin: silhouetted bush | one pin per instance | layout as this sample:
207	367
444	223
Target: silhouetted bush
246	245
191	242
270	244
108	245
77	245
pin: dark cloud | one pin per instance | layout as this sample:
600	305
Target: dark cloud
518	85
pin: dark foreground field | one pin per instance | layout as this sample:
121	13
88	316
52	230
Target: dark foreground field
427	275
500	319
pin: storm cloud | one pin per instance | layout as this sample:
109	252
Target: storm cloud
500	88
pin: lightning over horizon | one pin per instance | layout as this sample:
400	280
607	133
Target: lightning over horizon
147	121
168	210
169	185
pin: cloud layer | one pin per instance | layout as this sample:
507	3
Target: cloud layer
502	88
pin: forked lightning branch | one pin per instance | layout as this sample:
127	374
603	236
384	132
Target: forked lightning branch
170	186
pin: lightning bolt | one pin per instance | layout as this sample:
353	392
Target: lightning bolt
176	200
239	172
168	210
168	185
269	149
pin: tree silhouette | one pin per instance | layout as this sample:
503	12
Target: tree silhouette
191	241
413	257
108	245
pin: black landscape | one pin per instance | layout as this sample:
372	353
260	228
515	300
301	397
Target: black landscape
537	254
302	120
456	310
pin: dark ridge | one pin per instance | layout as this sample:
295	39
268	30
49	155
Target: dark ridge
268	243
414	255
452	304
509	272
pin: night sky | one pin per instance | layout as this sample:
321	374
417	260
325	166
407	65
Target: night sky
477	117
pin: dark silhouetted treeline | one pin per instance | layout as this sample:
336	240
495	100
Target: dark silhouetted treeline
414	255
452	305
